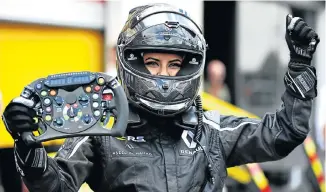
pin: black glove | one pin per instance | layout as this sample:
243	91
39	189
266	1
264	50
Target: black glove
302	40
18	117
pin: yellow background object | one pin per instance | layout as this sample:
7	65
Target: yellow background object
28	52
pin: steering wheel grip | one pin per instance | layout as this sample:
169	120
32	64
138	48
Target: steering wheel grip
120	126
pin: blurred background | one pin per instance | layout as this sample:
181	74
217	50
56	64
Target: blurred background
246	62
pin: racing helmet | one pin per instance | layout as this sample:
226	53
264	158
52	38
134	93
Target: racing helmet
160	28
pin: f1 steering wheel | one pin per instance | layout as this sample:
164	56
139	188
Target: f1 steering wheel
77	104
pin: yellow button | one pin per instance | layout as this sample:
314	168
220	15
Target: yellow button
53	92
100	81
36	133
44	93
48	118
88	89
35	120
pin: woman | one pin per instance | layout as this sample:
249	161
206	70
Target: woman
170	144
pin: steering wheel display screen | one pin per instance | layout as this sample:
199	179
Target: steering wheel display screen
69	79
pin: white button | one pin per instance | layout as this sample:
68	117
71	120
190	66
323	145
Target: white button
47	101
97	113
48	109
95	96
95	104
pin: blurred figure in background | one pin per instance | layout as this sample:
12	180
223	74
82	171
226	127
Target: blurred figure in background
216	80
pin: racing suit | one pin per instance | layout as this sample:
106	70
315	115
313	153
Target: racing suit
154	160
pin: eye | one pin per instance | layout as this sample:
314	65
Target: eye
175	65
151	64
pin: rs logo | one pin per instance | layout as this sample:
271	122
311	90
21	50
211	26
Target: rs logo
139	139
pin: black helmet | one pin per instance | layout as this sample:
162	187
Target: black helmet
160	28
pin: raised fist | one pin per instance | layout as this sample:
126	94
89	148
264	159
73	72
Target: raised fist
301	39
18	116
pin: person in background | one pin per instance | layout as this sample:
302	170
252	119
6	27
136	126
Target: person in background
216	80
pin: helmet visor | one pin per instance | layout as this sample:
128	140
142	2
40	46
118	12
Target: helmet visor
191	64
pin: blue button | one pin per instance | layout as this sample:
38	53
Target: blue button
58	100
38	86
58	122
87	119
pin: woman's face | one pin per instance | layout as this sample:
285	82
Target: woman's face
164	64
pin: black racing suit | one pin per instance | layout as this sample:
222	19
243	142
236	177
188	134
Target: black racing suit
157	161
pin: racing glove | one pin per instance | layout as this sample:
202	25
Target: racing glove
300	79
18	117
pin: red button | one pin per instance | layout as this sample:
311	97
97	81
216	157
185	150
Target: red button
107	97
97	88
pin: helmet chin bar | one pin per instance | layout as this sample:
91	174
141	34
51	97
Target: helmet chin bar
164	107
